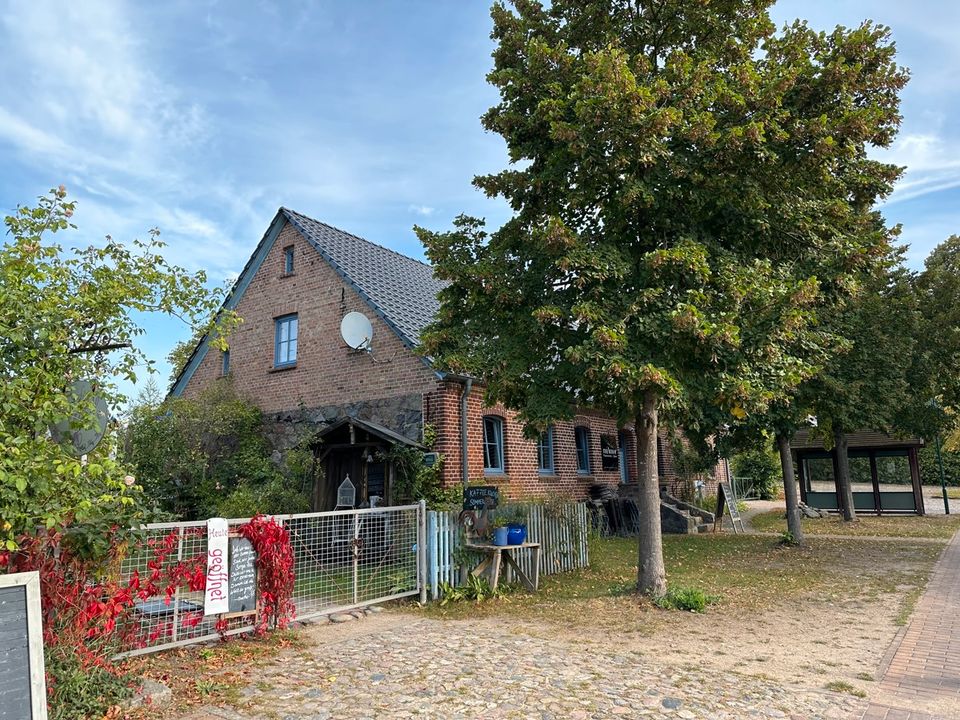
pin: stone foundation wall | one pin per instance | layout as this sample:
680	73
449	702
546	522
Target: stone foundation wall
403	414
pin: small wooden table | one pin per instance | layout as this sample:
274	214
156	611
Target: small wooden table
495	553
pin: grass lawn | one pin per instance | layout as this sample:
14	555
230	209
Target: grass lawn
934	491
906	526
746	572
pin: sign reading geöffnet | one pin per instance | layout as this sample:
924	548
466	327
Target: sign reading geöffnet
217	594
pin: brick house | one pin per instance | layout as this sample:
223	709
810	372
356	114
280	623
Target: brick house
288	357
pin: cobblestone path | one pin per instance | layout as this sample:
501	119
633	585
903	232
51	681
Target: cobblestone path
394	666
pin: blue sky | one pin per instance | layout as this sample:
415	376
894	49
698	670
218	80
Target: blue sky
202	117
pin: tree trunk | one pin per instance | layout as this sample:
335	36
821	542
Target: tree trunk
843	476
790	492
651	575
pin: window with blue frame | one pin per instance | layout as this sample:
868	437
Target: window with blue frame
582	437
492	444
225	368
288	260
285	341
545	452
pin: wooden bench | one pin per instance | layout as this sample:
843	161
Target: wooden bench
494	554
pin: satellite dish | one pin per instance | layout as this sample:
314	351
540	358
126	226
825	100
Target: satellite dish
80	430
356	330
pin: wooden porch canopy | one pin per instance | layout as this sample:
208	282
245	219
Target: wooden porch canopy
884	472
351	447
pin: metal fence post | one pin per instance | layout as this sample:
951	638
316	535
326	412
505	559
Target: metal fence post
422	550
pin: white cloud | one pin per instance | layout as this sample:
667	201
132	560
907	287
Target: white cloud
423	210
932	165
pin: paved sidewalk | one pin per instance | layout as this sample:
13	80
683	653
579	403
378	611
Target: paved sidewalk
921	678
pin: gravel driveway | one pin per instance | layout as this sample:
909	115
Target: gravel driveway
390	665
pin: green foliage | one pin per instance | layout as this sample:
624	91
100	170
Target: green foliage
512	514
761	467
938	288
685	598
680	213
869	385
930	469
83	691
209	456
415	481
69	314
787	538
477	589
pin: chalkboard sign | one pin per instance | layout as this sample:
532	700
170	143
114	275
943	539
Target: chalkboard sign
243	576
23	694
480	497
727	497
609	454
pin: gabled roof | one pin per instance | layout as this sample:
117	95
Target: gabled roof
401	290
375	429
806	440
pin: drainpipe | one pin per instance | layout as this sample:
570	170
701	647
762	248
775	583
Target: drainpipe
468	385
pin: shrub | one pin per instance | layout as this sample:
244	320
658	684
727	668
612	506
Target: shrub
685	598
210	456
761	467
930	469
87	611
477	589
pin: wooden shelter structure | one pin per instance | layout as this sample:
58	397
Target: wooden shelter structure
884	473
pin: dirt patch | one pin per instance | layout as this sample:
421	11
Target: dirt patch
839	630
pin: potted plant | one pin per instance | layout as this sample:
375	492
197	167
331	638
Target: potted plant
501	533
515	518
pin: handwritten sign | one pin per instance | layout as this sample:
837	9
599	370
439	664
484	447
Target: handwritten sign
727	497
609	454
243	576
216	596
481	497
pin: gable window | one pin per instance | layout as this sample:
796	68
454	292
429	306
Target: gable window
285	341
582	437
545	452
492	444
225	367
288	260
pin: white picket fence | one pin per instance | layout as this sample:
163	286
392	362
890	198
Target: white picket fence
560	530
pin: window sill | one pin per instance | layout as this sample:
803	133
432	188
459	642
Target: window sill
287	275
495	476
548	476
282	368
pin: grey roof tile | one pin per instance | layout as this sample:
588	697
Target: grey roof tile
403	291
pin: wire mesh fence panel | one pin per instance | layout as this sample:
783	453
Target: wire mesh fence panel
351	558
342	560
175	615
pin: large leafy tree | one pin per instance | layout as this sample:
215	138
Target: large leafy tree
938	291
678	171
68	315
869	385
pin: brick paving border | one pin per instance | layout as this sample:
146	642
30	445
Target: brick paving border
922	667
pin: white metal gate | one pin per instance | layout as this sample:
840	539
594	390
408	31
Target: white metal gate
343	560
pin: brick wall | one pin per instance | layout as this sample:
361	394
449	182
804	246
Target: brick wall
521	476
326	373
